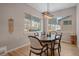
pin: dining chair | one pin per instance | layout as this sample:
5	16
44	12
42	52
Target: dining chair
37	47
56	43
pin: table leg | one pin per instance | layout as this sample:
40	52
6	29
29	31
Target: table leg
52	50
47	50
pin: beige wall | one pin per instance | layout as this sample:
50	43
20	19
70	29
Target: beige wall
77	24
17	11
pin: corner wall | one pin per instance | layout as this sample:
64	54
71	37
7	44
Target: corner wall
77	24
17	11
68	12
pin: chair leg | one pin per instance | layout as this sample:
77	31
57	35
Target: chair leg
41	54
30	53
59	51
60	48
47	51
53	53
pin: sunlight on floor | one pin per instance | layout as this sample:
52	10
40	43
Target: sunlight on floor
66	50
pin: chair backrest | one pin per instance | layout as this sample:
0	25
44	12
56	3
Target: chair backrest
53	34
59	32
36	34
35	42
58	37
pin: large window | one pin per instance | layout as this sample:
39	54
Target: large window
54	24
32	23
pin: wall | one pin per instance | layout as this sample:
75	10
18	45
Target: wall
77	24
71	29
17	11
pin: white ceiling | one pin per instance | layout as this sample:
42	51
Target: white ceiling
41	7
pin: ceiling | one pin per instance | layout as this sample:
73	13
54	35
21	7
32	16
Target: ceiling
41	7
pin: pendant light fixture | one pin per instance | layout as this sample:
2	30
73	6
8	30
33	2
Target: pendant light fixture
47	13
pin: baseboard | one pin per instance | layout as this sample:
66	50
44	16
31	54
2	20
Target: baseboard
3	49
69	43
65	42
17	48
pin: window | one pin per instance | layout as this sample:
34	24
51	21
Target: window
54	24
32	23
67	22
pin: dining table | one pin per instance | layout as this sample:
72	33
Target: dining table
48	40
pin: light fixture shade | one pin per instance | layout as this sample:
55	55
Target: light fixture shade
47	15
